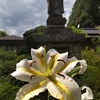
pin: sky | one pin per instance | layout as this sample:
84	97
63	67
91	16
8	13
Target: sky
18	16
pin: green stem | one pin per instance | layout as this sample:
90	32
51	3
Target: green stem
74	72
48	96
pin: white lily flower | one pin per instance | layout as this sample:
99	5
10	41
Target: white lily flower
88	95
48	71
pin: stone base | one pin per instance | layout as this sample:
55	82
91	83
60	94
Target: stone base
61	39
56	21
59	35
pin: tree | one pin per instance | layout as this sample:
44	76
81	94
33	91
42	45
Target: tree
3	33
29	35
36	30
9	85
86	13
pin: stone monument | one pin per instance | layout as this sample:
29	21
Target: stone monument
56	35
55	11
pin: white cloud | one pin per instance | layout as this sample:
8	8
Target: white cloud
17	16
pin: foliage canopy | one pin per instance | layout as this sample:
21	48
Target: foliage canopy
29	35
86	13
3	33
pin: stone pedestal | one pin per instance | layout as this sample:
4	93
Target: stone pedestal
56	21
59	35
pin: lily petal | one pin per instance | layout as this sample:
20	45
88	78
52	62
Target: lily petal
22	75
26	77
64	88
24	71
34	52
34	65
69	87
88	94
71	63
51	54
83	66
23	64
51	57
60	61
39	55
54	90
30	90
27	66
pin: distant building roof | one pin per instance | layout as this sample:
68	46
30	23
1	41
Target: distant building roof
92	32
11	37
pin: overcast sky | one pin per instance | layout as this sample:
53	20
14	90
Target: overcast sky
17	16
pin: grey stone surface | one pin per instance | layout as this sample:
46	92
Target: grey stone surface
59	35
62	39
56	21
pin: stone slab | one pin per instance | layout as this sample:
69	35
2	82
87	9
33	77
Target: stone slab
59	35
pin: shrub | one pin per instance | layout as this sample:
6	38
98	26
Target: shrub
91	56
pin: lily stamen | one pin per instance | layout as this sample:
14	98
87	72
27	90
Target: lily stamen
52	56
61	60
31	77
61	75
32	63
42	56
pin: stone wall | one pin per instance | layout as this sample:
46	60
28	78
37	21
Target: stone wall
62	40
